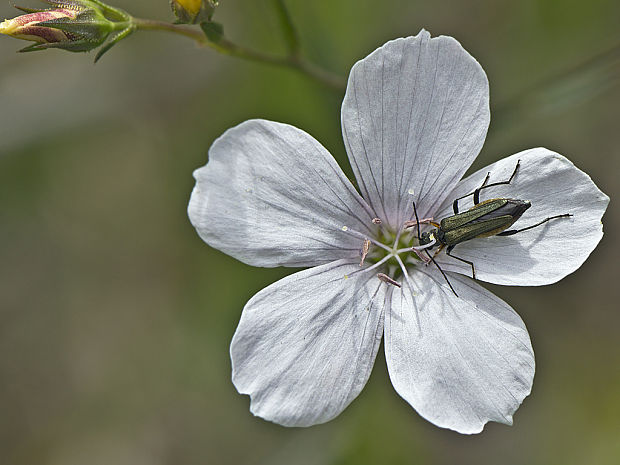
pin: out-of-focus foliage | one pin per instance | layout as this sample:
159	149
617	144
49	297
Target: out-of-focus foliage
115	318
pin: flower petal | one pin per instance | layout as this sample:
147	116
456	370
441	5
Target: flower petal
459	361
415	116
305	345
549	252
271	195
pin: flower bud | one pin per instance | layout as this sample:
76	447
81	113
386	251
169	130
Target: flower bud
73	25
193	11
27	26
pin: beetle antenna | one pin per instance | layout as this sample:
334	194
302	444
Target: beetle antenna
417	220
439	268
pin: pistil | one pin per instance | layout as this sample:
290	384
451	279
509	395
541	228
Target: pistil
400	245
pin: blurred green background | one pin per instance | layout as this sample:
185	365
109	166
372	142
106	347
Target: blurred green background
115	318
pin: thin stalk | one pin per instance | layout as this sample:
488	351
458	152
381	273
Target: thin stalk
227	47
288	28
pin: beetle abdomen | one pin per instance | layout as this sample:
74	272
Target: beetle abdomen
512	207
483	220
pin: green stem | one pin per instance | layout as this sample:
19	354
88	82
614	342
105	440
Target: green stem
288	28
187	31
224	46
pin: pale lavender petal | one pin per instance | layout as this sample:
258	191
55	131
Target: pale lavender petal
545	254
414	118
305	345
271	195
458	361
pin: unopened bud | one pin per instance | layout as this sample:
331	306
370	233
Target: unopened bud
193	11
73	25
28	27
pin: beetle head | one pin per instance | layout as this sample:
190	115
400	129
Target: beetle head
427	237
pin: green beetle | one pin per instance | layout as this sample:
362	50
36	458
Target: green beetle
491	217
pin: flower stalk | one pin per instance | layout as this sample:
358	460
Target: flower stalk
84	25
223	45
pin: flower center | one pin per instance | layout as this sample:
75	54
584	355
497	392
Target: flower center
396	244
389	252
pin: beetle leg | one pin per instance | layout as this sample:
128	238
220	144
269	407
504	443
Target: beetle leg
455	206
476	193
438	250
484	185
431	259
473	270
510	232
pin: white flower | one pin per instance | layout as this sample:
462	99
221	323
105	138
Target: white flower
414	117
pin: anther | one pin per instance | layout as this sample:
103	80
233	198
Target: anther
376	221
418	249
412	223
386	279
365	248
426	259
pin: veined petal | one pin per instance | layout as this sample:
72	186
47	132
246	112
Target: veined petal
271	195
305	345
459	361
549	252
414	117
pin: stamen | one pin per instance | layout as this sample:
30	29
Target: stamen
400	231
426	246
370	268
411	223
413	292
425	258
378	222
406	275
405	250
386	279
366	238
365	248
